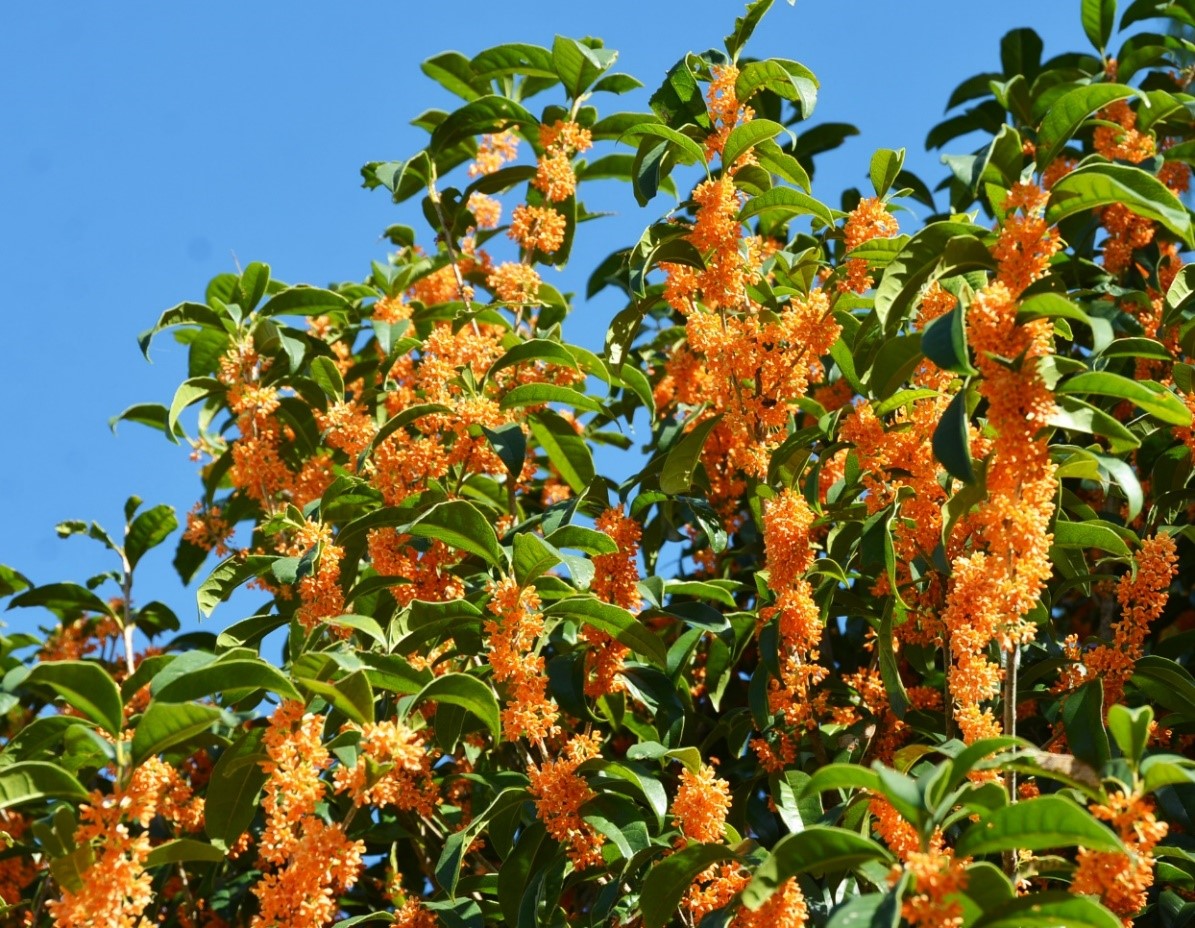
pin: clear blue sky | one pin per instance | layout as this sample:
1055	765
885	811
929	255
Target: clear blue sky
150	146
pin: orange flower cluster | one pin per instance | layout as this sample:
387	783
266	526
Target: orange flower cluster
513	282
322	863
314	860
537	228
494	151
394	769
749	368
616	580
19	871
716	887
701	803
208	529
1142	595
731	262
895	459
870	219
936	874
554	175
726	112
115	888
514	636
789	553
996	582
487	212
319	592
1122	141
258	469
297	756
560	792
1122	881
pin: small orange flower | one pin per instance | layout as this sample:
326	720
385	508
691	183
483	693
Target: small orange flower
701	803
560	792
537	228
513	282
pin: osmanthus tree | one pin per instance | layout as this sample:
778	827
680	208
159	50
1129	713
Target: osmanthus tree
890	624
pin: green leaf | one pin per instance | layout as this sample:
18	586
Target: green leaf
154	415
351	694
1050	909
1099	17
1166	682
164	725
567	451
1050	306
787	203
1090	535
226	577
460	525
1157	401
533	557
149	530
843	776
667	882
469	693
1071	110
1130	728
222	677
328	378
944	341
402	419
583	539
513	58
951	441
817	849
789	80
677	474
231	796
486	114
688	151
744	28
62	598
33	781
251	286
304	301
85	686
912	267
616	622
1096	185
579	65
183	850
1037	824
746	136
536	394
189	392
885	166
1083	721
534	349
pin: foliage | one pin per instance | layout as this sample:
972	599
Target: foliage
889	622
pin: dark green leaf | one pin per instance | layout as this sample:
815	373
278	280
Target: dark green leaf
951	441
33	781
469	693
1037	824
817	849
1095	185
460	525
164	725
1071	109
677	474
85	686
